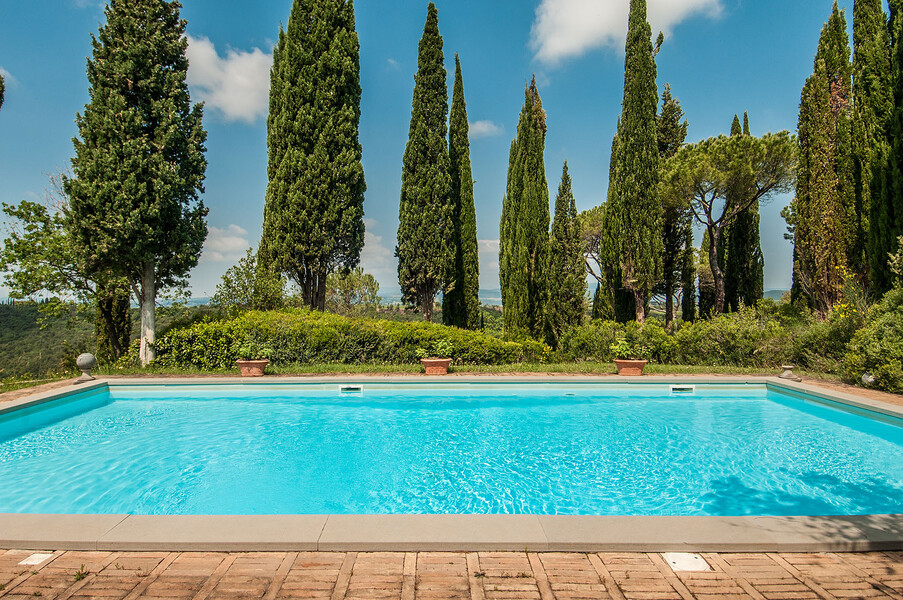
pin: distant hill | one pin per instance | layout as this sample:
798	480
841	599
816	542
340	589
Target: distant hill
775	295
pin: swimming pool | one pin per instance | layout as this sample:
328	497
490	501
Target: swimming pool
467	448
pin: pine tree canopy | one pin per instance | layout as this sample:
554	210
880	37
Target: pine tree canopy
461	303
425	247
824	208
313	218
139	159
566	272
524	230
634	214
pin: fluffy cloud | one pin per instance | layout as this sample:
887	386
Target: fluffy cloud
481	129
378	258
566	28
237	85
225	245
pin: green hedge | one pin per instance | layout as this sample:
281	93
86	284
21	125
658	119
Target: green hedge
877	348
301	336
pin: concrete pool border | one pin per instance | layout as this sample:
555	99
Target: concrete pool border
455	532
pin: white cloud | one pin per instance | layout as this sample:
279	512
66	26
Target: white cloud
481	129
488	246
489	264
225	245
567	28
238	85
378	259
8	79
393	63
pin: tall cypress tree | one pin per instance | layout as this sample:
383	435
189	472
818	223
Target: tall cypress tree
313	219
743	262
2	90
824	205
872	107
524	230
688	281
425	247
887	223
139	157
676	216
634	211
567	270
461	303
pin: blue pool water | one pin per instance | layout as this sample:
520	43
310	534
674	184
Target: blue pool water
470	448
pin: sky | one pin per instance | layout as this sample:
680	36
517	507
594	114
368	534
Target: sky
721	57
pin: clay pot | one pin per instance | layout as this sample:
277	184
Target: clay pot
630	367
252	368
435	366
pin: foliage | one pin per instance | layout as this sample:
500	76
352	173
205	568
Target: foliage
878	347
352	292
2	90
240	286
24	332
301	336
733	174
435	349
895	263
461	301
524	228
823	211
633	216
139	156
313	217
566	272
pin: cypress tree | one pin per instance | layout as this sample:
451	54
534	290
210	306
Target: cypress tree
567	270
888	220
425	248
313	218
524	230
872	107
824	203
599	308
139	159
461	303
743	262
2	90
707	290
676	217
688	281
634	212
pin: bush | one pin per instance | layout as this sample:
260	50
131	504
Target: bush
745	338
301	336
877	348
590	342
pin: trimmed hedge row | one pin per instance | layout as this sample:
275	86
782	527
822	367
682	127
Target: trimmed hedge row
301	336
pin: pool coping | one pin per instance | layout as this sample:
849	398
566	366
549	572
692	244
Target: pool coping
411	532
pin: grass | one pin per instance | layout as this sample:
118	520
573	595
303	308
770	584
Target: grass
11	384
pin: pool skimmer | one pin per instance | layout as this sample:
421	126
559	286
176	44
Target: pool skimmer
685	561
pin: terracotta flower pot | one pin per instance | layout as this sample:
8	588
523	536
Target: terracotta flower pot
435	366
630	367
252	368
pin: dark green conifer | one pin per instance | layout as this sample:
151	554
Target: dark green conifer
313	218
887	222
872	108
425	247
676	215
567	270
823	209
688	281
599	305
2	90
139	159
524	230
634	210
461	302
743	262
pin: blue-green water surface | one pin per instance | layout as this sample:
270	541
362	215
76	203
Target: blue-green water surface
479	448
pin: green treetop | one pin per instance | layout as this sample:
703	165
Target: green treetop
425	247
313	218
634	212
461	303
567	271
872	107
676	217
139	159
823	209
524	231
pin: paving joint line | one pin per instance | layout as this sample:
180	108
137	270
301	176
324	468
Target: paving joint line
605	576
23	577
213	580
801	577
540	577
151	577
281	574
71	590
473	567
670	576
736	575
877	584
344	577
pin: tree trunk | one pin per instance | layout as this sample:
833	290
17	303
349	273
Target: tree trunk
717	273
426	306
640	306
669	301
148	314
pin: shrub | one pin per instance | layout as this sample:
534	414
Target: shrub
590	342
744	338
877	348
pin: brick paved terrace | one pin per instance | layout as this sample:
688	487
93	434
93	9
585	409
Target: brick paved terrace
435	576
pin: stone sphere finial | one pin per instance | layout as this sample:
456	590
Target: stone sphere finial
85	362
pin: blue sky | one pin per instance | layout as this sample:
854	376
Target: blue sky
721	57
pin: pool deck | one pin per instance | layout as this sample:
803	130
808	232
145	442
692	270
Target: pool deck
451	576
